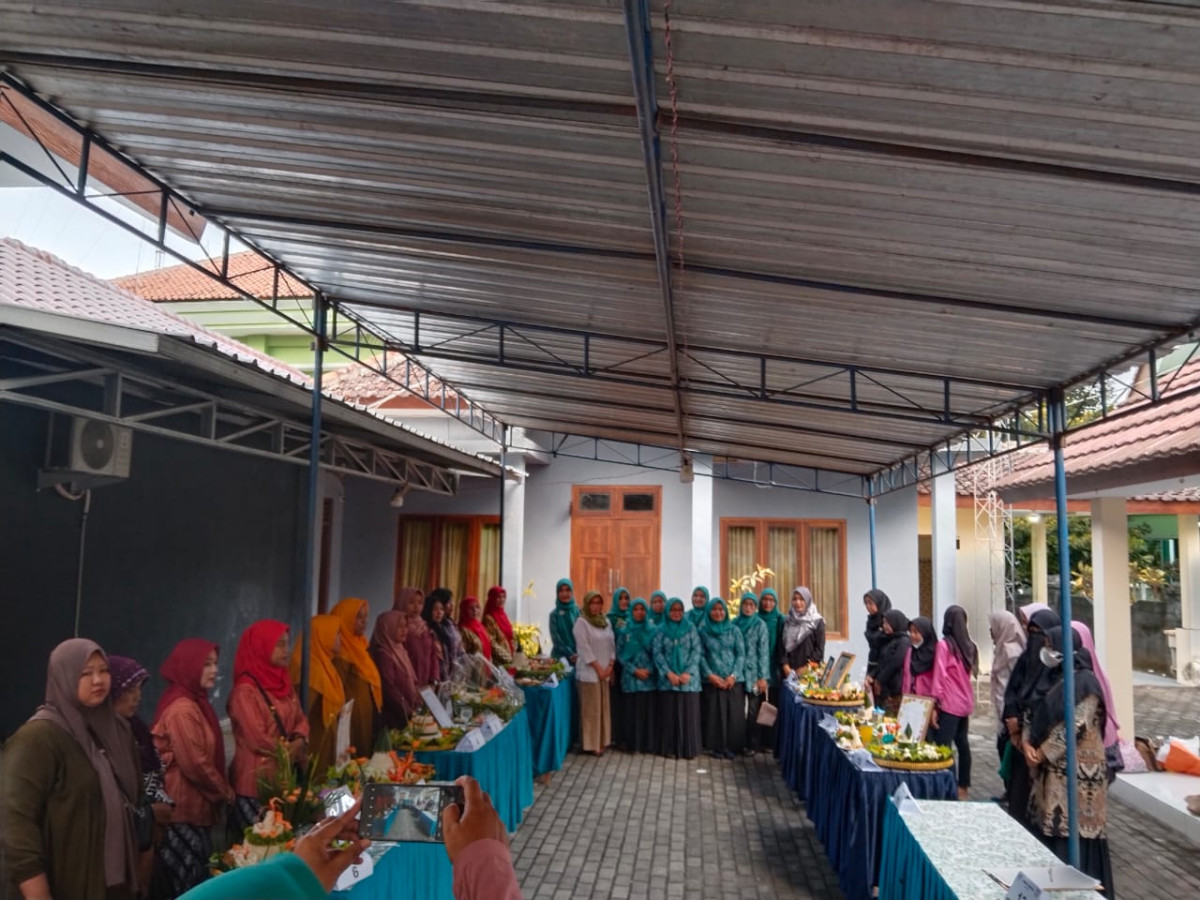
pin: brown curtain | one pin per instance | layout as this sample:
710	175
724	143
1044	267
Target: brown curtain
741	548
489	563
416	553
452	568
782	547
825	575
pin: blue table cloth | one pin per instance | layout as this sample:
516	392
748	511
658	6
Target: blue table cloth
549	713
408	872
846	805
503	767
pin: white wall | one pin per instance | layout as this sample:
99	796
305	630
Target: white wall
547	555
896	545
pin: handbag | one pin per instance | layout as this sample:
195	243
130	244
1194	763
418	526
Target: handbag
143	824
766	714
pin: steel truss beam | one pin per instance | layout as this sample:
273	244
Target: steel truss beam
667	459
173	207
572	352
129	396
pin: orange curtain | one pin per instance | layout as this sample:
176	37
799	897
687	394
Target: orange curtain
489	562
452	568
741	549
825	575
781	559
416	553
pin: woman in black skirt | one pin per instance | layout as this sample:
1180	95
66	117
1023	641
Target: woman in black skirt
639	680
618	617
677	659
724	696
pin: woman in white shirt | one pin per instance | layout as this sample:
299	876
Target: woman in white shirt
593	673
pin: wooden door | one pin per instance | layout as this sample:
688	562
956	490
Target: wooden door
616	536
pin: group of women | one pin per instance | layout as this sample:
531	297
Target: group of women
97	804
654	677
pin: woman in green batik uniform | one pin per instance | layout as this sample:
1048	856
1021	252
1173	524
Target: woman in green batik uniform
756	670
723	703
639	679
677	658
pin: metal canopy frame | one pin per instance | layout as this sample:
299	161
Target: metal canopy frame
129	395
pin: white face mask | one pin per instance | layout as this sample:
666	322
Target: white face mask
916	642
1051	659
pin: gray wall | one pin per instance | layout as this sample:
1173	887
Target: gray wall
368	557
197	543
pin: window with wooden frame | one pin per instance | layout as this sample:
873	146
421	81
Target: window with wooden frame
810	552
461	553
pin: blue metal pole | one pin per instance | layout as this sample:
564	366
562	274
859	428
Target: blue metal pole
314	495
871	519
503	484
1058	426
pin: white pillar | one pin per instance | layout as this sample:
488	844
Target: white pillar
1113	616
704	567
1041	573
944	509
512	548
1187	637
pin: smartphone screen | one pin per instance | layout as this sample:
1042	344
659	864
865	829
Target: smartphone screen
402	813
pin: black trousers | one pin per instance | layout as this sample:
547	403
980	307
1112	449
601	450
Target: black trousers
724	718
756	737
955	730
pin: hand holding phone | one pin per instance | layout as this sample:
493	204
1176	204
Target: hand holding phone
472	819
403	813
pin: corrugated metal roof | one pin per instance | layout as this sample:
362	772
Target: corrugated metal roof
1000	192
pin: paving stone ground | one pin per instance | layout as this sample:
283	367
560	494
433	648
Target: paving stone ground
642	828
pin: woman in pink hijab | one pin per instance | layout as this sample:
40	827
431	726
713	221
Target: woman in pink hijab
1111	726
424	649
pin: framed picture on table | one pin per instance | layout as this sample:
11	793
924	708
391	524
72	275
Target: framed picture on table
840	671
916	712
824	682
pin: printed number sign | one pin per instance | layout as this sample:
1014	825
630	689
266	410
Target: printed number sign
355	874
1023	888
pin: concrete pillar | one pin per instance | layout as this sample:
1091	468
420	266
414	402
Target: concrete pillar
1113	618
1041	574
704	565
1187	637
944	510
512	549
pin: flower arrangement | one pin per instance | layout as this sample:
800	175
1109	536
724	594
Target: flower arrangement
528	638
291	796
270	836
752	582
385	767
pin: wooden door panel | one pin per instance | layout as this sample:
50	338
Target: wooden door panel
638	563
591	554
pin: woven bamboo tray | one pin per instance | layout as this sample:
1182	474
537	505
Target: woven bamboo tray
834	704
906	766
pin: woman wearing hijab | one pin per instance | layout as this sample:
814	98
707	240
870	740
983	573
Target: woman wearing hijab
888	682
677	655
359	673
474	636
618	618
421	643
499	628
1044	742
699	610
877	604
263	710
756	670
639	679
1008	643
188	736
562	621
436	614
658	608
597	653
326	690
1021	695
768	611
723	699
1112	728
401	696
918	663
956	660
803	635
1025	613
69	778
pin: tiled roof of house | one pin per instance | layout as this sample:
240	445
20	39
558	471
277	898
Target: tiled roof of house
247	270
366	386
1141	433
38	280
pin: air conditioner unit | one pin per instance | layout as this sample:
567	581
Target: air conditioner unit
98	448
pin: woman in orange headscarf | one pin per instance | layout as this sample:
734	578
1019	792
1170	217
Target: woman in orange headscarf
326	692
359	674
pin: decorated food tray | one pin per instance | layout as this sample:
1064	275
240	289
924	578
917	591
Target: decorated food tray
912	757
834	704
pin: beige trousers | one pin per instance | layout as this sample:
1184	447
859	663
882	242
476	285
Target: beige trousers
595	716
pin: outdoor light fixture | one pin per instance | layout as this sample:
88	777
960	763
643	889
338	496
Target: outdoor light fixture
1034	518
687	473
397	500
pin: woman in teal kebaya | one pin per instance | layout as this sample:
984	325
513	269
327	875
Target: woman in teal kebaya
756	670
723	703
677	659
639	679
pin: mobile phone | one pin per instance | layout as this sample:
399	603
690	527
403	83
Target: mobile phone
403	813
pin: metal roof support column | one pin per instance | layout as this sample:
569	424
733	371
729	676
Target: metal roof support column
1058	427
871	520
503	485
641	61
314	495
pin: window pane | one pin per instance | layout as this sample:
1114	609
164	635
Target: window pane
452	568
595	502
638	503
489	563
825	575
781	559
416	552
741	547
